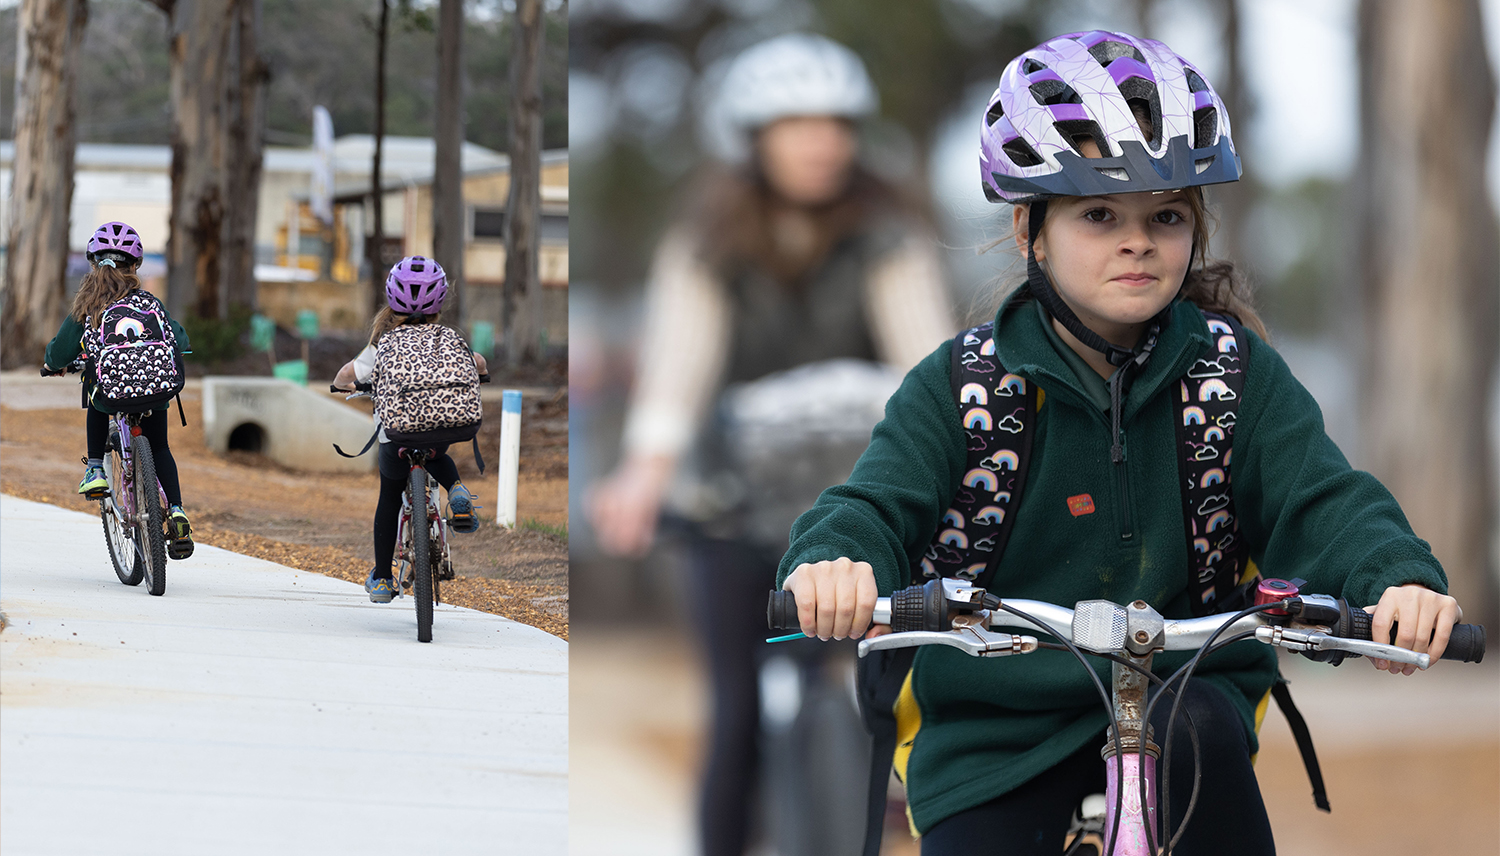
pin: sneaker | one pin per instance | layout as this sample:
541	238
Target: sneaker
461	510
179	533
94	485
381	589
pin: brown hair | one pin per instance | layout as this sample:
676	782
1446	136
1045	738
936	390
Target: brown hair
388	319
101	286
1211	284
734	214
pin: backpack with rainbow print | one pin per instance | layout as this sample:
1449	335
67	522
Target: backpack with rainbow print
133	360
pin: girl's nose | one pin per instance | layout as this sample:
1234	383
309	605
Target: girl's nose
1138	241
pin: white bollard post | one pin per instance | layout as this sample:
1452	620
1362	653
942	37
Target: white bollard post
510	458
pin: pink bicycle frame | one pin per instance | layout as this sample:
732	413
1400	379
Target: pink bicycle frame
1130	704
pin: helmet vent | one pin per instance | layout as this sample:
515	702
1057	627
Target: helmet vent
1031	66
1205	127
1202	164
1049	92
1144	102
1108	52
994	114
1079	131
1115	172
1195	83
1020	153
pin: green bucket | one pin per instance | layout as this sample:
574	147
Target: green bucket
292	370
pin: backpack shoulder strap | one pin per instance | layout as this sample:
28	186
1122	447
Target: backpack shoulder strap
998	411
1208	397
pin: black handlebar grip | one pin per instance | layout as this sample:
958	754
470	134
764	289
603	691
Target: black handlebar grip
1466	644
1465	641
781	611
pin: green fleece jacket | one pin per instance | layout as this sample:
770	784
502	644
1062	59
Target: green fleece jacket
68	344
988	726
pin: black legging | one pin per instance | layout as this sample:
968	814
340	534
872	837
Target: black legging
154	429
1229	819
393	477
730	581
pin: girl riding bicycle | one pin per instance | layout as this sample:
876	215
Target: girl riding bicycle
414	293
1102	143
114	254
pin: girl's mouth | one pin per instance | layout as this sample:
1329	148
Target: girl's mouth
1135	279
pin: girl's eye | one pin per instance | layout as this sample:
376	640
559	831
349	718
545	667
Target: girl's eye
1096	215
1170	217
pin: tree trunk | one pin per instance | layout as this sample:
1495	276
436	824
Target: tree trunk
376	246
48	35
1429	284
195	247
1235	200
246	113
523	288
447	186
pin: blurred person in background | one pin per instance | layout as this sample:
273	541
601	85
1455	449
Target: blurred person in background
790	254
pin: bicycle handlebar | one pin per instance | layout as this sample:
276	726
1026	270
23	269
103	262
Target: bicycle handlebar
71	368
954	613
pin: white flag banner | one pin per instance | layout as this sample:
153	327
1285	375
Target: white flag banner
321	193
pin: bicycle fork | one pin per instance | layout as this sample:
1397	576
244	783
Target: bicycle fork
1130	707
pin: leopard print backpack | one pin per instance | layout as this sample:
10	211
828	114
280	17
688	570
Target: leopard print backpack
426	387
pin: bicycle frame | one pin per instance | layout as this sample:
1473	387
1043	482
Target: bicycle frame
124	425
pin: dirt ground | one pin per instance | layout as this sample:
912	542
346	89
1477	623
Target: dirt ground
321	522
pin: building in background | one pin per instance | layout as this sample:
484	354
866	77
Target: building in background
301	262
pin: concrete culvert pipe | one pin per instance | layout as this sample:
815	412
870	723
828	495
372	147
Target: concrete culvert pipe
292	425
247	437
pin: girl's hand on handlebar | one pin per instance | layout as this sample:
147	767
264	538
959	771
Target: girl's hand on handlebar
835	599
1421	614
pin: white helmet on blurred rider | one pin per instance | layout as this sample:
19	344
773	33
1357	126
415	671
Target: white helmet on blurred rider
798	74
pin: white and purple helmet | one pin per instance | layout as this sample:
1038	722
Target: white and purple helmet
416	286
1084	85
116	236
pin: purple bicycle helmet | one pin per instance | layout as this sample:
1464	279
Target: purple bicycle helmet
1095	85
116	236
416	286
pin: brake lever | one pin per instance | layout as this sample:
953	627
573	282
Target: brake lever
974	641
1317	640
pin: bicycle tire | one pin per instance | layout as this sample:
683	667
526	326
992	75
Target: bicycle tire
149	517
122	548
421	553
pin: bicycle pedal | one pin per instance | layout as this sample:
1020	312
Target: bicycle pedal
180	549
96	494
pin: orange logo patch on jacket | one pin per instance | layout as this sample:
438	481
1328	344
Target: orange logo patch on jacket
1081	504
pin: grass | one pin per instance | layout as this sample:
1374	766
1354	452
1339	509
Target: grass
545	528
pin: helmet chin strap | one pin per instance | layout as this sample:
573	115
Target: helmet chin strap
1127	361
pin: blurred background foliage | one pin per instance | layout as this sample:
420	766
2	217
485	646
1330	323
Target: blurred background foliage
320	53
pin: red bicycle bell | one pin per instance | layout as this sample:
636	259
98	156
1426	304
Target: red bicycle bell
1274	591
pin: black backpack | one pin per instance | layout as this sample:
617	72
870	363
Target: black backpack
998	410
133	360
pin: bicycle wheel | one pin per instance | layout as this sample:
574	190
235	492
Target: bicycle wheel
421	553
148	517
122	550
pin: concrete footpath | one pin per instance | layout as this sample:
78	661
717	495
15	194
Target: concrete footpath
258	709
